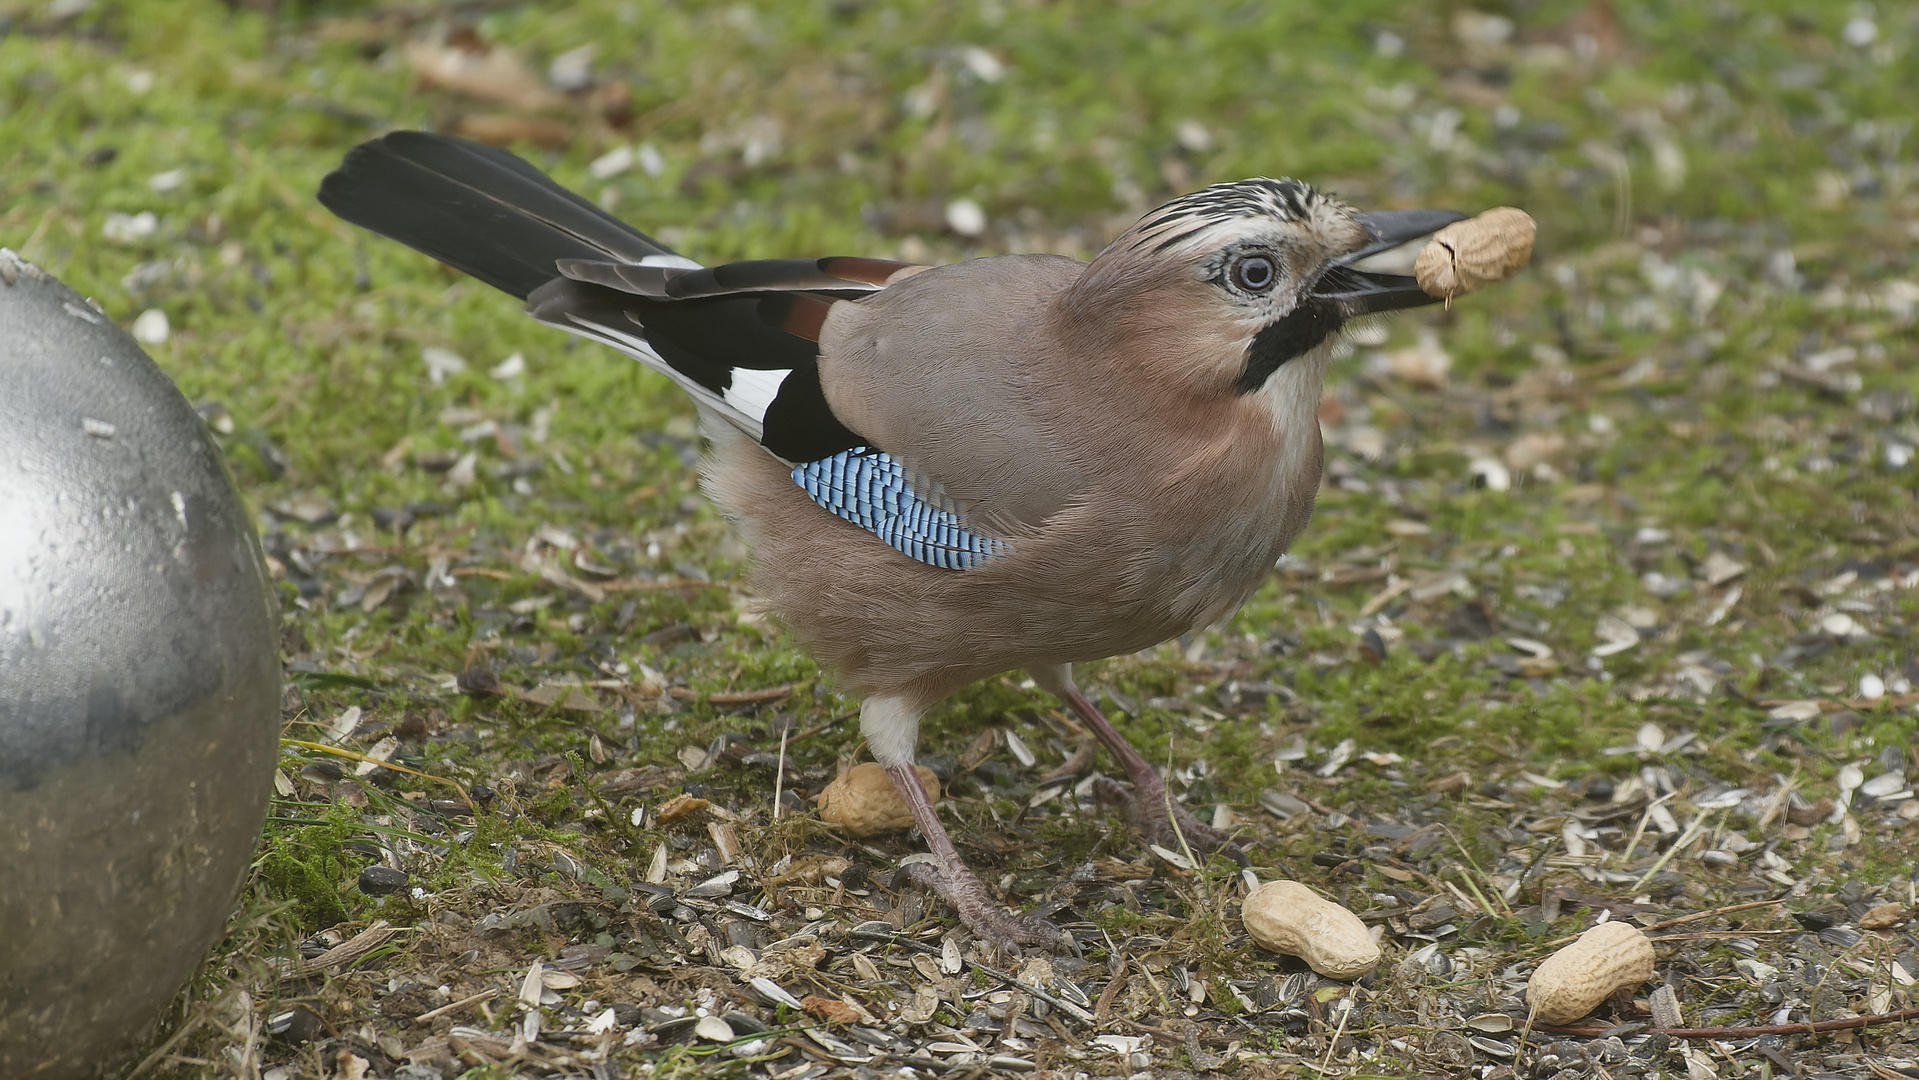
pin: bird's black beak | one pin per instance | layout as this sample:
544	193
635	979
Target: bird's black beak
1368	292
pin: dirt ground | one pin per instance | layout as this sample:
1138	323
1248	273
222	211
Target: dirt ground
1606	611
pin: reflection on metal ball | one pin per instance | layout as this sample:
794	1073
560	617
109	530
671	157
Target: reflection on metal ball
139	686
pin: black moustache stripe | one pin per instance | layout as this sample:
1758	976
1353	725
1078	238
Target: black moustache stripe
1300	332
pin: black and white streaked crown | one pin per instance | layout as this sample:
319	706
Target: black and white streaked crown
1259	197
1285	198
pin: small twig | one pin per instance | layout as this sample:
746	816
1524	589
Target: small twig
1698	915
348	951
1468	878
1716	935
1166	792
1477	897
1685	840
749	697
779	771
1696	935
357	756
1849	1024
1332	1044
1645	816
825	727
626	585
435	1014
1896	701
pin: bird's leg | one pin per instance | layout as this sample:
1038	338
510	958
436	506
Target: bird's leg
1148	806
955	882
891	726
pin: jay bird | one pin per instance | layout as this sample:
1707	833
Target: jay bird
945	473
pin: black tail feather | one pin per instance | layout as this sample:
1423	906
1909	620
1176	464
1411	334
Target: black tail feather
476	208
742	340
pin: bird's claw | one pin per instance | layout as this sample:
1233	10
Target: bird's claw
977	910
1148	815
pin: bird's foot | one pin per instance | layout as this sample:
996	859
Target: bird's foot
1147	811
977	909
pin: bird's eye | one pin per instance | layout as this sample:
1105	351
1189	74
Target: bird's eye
1254	273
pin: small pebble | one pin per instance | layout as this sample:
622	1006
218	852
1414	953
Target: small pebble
965	217
381	880
152	327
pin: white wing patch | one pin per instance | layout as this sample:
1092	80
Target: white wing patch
671	262
752	391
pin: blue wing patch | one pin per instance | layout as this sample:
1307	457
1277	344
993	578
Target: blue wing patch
868	488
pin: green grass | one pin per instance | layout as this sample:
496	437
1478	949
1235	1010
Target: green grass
1726	201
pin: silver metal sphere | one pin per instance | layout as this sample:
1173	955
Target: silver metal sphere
139	686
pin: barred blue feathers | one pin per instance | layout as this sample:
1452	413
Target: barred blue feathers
868	488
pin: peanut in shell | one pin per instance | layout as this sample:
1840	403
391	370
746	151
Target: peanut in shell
864	802
1573	981
1470	254
1287	917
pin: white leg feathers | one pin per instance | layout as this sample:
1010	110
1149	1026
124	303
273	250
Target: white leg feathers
892	728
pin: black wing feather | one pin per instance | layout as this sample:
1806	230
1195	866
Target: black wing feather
707	341
800	426
476	208
724	330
